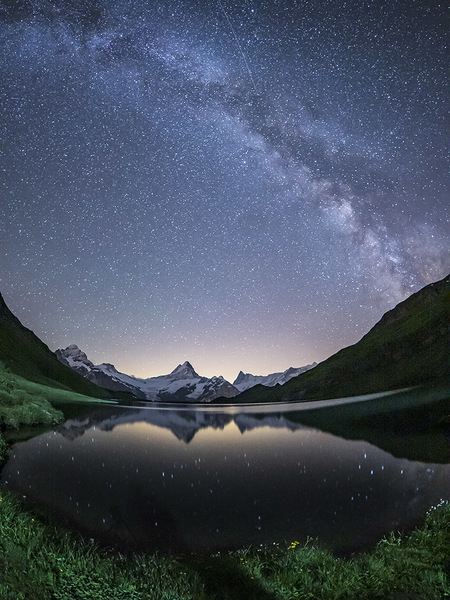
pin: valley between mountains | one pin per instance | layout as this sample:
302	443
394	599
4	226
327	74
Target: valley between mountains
407	347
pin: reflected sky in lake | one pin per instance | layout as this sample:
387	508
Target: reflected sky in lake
202	481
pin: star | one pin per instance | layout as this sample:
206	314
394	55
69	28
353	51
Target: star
244	186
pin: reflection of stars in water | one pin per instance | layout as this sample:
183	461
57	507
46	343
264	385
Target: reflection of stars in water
165	476
247	186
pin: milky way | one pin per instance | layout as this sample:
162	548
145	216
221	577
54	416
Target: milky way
245	185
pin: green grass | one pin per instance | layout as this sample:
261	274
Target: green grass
54	395
41	562
3	450
25	403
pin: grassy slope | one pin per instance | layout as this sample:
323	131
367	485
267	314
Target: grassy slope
408	346
25	404
23	353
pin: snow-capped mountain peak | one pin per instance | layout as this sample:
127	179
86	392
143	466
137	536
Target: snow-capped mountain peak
185	371
75	358
183	384
241	377
244	381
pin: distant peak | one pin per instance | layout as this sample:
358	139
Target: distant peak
109	367
240	378
73	354
290	370
186	370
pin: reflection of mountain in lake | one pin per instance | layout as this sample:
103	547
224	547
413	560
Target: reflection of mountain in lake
407	425
183	424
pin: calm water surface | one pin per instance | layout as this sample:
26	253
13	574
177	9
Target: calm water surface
195	480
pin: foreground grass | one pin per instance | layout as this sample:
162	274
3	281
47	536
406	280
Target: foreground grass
41	562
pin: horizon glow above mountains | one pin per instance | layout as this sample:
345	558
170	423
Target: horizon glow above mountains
243	185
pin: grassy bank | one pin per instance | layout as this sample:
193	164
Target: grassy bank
25	404
22	403
41	562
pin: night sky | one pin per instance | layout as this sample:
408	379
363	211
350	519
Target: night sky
244	185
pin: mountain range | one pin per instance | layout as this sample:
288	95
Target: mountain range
245	381
24	354
407	347
183	384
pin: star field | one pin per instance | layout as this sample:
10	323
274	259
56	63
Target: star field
244	185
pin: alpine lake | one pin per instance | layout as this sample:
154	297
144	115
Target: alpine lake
201	479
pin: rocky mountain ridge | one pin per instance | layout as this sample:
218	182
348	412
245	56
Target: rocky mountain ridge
183	384
244	381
